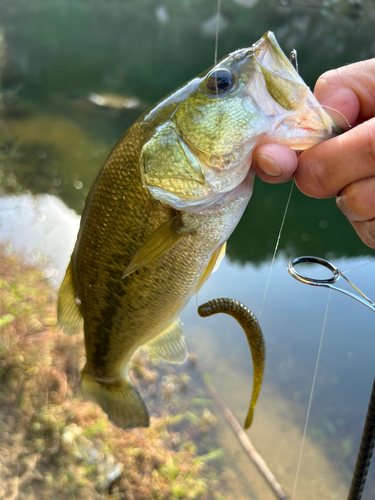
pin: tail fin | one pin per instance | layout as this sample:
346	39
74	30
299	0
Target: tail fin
123	404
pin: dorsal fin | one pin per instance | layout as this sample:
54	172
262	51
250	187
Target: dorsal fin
69	316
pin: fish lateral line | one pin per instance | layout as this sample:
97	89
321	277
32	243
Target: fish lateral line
254	336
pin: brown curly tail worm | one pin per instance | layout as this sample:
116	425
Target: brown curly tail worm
254	337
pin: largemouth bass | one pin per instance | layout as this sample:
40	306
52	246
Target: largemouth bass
158	216
254	337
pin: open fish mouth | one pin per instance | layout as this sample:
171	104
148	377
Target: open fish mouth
281	94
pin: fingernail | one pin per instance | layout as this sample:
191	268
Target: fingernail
269	166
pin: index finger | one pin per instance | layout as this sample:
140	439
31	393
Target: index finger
351	91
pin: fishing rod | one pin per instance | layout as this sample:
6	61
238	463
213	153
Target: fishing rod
365	451
366	447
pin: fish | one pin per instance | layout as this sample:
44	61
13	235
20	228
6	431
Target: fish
116	102
159	214
254	336
113	101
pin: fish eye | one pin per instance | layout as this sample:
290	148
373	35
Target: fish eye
220	81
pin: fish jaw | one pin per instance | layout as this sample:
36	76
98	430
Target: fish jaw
296	118
204	149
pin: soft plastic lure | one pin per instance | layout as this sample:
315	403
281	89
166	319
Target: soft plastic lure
254	336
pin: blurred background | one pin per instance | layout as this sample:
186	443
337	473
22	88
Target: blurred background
74	75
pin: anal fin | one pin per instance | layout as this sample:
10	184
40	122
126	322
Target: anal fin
212	266
170	344
69	316
220	257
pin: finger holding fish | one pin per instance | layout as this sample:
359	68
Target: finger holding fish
348	92
325	170
274	163
349	95
344	166
338	100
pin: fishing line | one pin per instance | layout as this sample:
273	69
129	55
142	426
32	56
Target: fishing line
276	247
368	435
217	29
292	57
215	62
215	59
339	112
310	400
332	109
357	267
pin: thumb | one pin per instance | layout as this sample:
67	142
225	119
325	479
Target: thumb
274	163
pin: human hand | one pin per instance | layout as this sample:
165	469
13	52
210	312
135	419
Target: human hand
343	166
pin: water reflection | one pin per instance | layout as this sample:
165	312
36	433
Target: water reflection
292	322
41	228
312	227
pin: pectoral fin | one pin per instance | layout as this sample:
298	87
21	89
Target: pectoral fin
158	243
69	316
170	344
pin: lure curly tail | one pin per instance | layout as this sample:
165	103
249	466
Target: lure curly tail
254	337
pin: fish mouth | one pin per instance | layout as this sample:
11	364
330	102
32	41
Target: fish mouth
278	91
